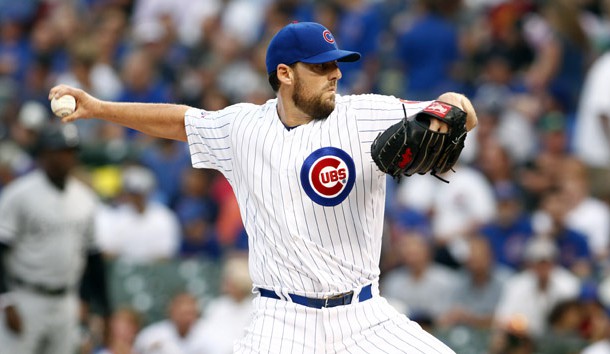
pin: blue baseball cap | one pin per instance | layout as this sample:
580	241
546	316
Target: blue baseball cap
307	42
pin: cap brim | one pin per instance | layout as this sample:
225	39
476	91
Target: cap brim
332	55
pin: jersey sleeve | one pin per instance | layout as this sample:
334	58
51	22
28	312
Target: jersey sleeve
10	207
209	138
375	113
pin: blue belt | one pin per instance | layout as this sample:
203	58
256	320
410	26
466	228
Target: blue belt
331	301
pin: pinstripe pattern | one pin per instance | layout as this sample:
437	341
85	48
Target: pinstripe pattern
363	328
297	244
300	246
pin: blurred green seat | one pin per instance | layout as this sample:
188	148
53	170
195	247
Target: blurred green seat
147	288
464	339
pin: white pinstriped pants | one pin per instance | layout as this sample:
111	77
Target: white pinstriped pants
373	326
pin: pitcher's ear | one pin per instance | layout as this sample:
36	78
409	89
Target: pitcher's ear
285	74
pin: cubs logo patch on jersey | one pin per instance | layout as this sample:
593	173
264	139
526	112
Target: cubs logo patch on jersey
328	175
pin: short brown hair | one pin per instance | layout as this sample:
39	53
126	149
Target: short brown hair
274	81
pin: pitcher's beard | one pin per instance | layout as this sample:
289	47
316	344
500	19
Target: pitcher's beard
314	106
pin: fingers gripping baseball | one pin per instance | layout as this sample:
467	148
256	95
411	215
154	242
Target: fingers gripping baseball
86	105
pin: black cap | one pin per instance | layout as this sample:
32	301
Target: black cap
56	136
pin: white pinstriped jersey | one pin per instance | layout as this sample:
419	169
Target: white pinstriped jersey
311	197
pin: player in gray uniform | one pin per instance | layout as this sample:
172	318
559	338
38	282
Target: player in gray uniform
310	195
46	243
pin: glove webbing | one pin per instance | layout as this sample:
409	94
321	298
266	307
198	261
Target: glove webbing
431	143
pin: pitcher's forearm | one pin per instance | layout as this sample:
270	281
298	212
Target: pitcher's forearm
155	119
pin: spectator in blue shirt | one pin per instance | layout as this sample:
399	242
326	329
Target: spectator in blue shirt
509	232
197	213
429	51
359	29
549	220
168	160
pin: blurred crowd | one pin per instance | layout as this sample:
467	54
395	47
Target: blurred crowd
516	245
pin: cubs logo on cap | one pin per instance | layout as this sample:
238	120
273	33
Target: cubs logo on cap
328	175
328	36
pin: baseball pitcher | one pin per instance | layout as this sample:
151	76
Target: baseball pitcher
308	169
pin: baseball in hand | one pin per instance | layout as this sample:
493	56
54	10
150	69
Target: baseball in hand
63	106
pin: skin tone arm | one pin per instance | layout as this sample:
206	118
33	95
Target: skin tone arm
167	120
546	65
159	120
